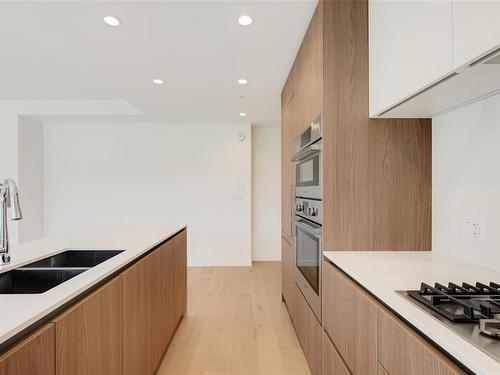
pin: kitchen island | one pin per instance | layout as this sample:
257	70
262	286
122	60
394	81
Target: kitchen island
116	317
378	281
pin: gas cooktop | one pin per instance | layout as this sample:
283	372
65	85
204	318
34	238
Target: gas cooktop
472	311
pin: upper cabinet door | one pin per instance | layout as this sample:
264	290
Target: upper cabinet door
410	48
476	29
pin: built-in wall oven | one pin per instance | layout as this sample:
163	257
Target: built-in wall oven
307	160
308	215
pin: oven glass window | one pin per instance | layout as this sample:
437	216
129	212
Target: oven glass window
308	257
307	172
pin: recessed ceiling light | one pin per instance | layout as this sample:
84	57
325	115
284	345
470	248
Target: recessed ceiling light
245	20
242	81
112	21
158	81
242	114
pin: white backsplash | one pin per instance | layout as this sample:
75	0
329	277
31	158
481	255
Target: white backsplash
466	181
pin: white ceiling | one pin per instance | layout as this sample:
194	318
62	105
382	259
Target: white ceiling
63	50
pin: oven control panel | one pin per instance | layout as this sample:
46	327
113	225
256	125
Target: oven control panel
309	209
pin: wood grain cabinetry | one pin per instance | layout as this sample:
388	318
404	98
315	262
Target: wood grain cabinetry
154	300
287	268
180	275
123	327
308	330
332	361
350	319
32	356
89	334
368	338
287	172
402	352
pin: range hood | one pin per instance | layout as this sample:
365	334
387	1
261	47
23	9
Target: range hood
467	84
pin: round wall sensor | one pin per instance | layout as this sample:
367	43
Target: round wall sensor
241	136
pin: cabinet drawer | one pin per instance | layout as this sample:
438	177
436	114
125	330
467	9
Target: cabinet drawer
308	331
332	362
402	352
350	318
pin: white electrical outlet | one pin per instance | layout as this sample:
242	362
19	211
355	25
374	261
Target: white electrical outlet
473	229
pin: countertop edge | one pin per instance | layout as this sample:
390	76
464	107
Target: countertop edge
12	337
408	312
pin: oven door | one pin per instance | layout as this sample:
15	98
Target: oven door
307	172
308	262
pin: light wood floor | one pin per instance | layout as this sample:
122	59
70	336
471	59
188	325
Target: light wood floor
236	324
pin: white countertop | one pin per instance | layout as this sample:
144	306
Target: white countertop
384	272
19	311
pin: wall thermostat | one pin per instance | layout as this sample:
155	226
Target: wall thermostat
241	136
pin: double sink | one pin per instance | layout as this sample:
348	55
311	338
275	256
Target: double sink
47	273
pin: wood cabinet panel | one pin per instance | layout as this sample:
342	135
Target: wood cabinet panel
287	172
167	292
350	319
308	330
332	361
32	356
89	334
310	73
180	274
376	172
402	352
287	271
141	331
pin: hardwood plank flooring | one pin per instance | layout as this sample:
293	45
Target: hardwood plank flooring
236	324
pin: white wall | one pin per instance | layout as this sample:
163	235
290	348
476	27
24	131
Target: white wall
466	180
200	175
30	178
12	111
266	193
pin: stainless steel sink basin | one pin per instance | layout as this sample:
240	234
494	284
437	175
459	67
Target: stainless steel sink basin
32	281
47	273
75	258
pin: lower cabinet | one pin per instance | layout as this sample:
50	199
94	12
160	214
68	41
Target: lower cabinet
287	269
402	352
154	299
89	334
141	316
350	318
34	355
123	327
308	330
180	275
332	361
368	339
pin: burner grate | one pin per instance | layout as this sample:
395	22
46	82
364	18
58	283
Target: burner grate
461	303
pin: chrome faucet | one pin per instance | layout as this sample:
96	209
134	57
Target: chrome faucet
9	197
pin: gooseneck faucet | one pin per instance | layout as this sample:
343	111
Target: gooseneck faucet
9	197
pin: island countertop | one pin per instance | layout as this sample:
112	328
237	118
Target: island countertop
383	273
20	311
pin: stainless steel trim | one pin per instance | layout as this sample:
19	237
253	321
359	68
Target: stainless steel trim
308	228
451	75
307	153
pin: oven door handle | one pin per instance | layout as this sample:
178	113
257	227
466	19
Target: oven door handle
306	153
308	228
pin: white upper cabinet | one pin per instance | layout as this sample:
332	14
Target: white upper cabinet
411	47
476	29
